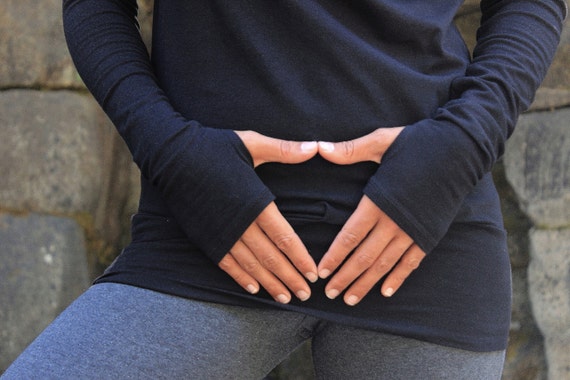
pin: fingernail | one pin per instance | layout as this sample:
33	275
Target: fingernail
324	273
283	298
326	146
389	292
308	146
332	293
312	277
352	300
252	289
303	295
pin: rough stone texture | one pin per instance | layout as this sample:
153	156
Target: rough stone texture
32	47
537	164
548	99
467	21
52	151
61	155
549	275
145	20
43	269
558	76
555	90
525	355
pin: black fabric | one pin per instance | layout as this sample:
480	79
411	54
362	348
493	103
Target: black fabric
320	70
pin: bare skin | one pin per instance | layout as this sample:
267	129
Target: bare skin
271	255
380	246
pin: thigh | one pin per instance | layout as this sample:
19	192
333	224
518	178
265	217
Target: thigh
341	352
118	331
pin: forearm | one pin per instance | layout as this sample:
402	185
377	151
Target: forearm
205	175
435	163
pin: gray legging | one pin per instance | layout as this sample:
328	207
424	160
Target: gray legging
121	332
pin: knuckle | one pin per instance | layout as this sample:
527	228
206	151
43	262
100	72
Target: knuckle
348	148
224	264
251	266
412	263
285	241
365	260
270	262
383	266
285	148
349	238
333	261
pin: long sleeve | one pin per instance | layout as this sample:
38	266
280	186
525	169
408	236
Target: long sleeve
204	175
436	162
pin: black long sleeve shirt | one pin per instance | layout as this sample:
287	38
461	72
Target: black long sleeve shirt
320	70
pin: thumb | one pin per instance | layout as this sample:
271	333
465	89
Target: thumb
370	147
268	149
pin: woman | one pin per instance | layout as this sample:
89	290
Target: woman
310	169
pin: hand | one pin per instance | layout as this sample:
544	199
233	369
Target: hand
269	253
378	245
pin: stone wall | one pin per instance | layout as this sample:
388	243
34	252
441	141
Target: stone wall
69	186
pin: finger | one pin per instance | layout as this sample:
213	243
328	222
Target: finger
366	255
385	262
251	265
280	232
274	261
356	228
229	265
370	147
265	149
409	262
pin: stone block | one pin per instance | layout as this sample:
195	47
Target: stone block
52	145
145	12
43	269
33	51
525	354
467	20
549	288
555	90
525	358
62	155
548	99
537	164
558	76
